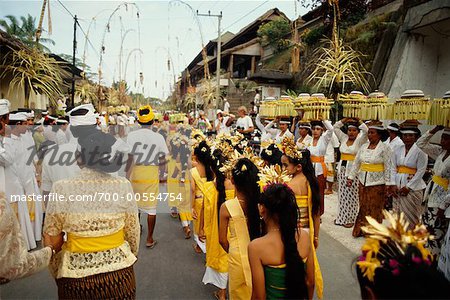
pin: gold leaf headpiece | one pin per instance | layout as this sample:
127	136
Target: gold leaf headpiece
273	175
235	156
290	148
197	137
265	144
386	246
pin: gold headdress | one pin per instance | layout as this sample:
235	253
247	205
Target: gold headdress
265	144
290	148
273	175
197	137
235	156
386	246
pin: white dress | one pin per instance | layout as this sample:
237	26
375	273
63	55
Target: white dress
320	149
279	135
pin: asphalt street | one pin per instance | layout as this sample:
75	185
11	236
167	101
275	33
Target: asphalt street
172	270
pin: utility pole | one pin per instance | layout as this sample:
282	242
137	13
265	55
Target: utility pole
75	21
219	53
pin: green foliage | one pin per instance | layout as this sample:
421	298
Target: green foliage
25	32
274	34
314	36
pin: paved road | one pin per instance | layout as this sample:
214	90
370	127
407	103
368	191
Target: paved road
173	271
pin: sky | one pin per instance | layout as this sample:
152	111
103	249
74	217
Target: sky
164	30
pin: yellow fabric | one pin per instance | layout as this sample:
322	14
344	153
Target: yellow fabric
198	201
372	167
306	201
216	257
239	273
184	201
80	244
229	194
282	266
348	156
145	182
173	183
320	160
406	170
442	182
145	118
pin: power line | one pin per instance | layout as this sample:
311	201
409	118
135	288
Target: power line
66	9
246	15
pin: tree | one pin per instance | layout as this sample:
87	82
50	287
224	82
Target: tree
274	33
25	32
79	64
34	71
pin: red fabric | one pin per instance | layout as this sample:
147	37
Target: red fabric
322	186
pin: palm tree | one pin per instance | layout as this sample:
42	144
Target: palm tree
26	31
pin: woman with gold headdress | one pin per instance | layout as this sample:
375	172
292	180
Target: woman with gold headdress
373	169
239	216
297	163
148	151
205	213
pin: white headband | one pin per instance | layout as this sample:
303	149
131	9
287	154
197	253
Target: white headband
304	126
89	118
408	131
392	128
352	126
376	127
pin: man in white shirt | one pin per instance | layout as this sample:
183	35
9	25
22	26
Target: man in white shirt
244	123
223	123
226	106
202	123
5	158
148	152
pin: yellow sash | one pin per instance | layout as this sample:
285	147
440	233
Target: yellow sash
197	202
442	182
242	239
406	170
348	156
372	167
80	244
320	160
317	273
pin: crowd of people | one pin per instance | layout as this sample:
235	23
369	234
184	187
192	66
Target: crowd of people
250	197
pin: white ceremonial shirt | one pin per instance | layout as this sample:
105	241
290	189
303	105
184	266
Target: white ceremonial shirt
382	154
395	143
436	195
305	142
49	134
360	140
264	134
59	163
147	146
320	149
334	143
416	159
61	137
279	136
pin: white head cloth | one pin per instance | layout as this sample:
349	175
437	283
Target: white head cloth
4	106
88	119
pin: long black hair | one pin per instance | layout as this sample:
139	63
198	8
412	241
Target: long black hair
203	154
246	182
279	201
218	161
274	158
308	170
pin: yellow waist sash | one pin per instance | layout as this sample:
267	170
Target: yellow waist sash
442	182
372	167
348	156
406	170
81	244
320	160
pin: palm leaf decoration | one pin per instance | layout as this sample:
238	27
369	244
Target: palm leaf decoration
338	66
189	99
87	92
34	71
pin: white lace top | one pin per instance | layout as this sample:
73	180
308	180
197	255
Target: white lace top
15	260
94	217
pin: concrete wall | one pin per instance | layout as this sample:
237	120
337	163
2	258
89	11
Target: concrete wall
424	65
